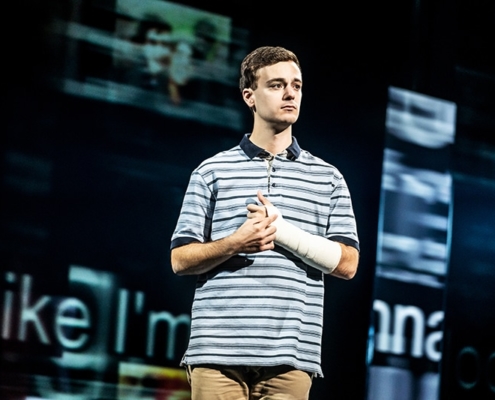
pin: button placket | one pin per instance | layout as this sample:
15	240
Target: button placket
269	159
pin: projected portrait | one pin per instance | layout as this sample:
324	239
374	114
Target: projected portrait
159	56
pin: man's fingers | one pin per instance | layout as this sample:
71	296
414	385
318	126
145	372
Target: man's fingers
255	208
264	221
263	200
268	246
272	218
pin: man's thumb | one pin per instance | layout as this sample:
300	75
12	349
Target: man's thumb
263	200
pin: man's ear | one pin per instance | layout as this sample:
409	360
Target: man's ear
248	96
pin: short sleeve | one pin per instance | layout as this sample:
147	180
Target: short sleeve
341	222
194	222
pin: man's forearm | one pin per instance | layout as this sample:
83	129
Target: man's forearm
321	253
197	258
317	251
253	236
348	264
330	257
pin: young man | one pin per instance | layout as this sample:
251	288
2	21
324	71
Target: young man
260	224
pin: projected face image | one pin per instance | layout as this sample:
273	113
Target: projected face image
174	60
168	61
158	50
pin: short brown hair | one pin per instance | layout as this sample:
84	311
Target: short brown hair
259	58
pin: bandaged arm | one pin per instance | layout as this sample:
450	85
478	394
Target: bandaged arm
316	251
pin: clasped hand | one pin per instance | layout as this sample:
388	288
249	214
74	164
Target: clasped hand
256	233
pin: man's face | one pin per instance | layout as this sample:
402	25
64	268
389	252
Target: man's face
277	98
158	50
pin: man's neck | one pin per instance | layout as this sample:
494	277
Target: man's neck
272	141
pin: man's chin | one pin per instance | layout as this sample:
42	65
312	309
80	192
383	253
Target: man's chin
282	126
289	120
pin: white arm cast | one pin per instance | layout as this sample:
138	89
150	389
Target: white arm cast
316	251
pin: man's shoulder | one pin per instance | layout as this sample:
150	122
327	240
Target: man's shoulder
310	159
227	157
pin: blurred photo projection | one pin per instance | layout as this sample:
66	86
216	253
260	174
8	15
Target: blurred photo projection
167	58
412	250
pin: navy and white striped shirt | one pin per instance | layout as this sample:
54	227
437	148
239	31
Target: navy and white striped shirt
262	309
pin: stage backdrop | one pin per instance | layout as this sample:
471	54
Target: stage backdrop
413	248
97	156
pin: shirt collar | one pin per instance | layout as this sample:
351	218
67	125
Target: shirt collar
252	150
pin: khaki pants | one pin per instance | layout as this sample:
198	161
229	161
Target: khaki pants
217	382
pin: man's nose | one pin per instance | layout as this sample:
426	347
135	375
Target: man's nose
289	92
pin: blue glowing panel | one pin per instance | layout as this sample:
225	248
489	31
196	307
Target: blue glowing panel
412	253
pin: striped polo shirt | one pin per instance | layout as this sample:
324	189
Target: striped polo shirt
262	309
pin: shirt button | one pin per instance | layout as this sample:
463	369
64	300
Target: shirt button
273	169
274	184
